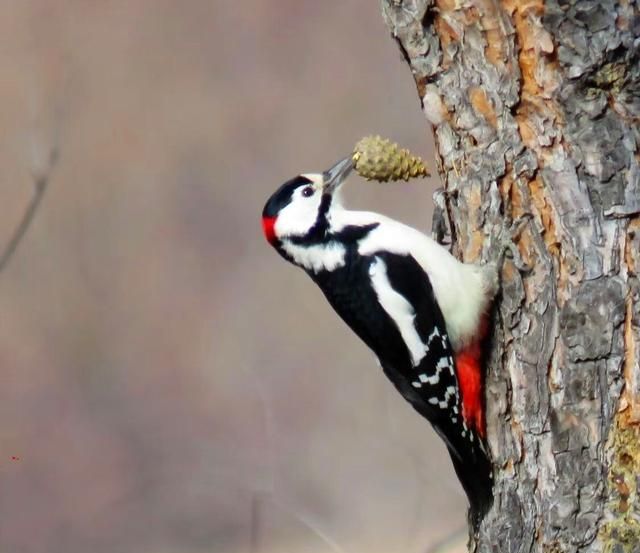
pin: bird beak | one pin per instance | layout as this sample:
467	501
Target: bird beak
334	177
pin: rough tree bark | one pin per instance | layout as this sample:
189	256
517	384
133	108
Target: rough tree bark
535	107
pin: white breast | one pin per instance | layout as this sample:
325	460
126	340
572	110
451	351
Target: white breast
316	258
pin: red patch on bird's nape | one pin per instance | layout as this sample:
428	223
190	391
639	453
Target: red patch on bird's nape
268	227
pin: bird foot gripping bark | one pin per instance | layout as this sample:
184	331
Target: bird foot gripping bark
441	223
500	246
504	245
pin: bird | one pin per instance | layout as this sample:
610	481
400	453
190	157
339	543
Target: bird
425	315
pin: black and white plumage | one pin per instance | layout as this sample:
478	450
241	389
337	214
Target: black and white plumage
422	312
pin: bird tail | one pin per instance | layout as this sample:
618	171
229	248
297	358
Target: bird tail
475	473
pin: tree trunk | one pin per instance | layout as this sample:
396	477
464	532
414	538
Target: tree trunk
535	106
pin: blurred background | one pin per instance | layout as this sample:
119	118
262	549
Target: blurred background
168	383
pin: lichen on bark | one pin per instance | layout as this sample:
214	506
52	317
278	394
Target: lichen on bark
621	529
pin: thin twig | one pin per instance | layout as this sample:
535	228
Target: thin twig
40	185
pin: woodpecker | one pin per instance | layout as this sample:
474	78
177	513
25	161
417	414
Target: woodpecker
422	312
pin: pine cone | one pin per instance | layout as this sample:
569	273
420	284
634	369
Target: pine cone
376	158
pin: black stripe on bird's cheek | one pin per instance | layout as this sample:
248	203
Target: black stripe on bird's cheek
321	225
318	232
325	204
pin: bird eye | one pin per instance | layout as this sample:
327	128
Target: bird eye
307	191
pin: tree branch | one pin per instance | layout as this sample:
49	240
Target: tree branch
41	182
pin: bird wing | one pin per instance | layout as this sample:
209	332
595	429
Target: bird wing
431	385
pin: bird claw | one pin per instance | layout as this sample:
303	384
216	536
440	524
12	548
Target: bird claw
507	246
516	258
518	225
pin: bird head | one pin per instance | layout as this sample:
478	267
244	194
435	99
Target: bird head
298	209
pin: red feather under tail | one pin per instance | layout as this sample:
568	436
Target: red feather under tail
470	379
